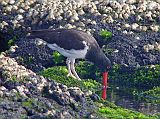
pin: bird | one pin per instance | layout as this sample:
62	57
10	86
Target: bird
73	44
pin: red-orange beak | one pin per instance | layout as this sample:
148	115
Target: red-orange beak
105	80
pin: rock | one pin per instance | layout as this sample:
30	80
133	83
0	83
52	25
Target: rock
134	26
69	26
120	16
88	93
51	112
8	8
116	51
139	18
143	28
75	17
126	16
131	1
114	4
4	3
109	19
21	11
2	88
152	5
138	38
13	91
11	2
158	1
21	90
148	15
81	12
1	93
126	25
95	97
148	47
64	88
3	24
157	46
40	42
125	32
13	48
80	24
76	93
155	28
93	22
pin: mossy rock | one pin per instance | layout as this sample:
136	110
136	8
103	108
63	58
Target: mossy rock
59	74
110	111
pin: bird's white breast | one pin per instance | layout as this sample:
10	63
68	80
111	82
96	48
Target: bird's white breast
81	53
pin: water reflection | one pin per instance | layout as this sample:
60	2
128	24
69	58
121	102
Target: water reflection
122	99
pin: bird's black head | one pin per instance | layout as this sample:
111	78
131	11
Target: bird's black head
96	56
104	64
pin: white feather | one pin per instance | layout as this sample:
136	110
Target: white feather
70	53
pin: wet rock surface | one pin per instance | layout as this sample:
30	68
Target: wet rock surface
33	96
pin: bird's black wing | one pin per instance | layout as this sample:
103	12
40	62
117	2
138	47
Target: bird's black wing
64	38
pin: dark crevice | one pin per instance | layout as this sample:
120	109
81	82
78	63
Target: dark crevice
3	42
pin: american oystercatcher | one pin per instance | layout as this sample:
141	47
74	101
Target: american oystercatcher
75	44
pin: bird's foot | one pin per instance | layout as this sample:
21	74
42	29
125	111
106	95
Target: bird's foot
77	77
71	75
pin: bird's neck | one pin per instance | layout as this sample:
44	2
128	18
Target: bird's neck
96	56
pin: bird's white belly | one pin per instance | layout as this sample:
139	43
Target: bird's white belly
70	53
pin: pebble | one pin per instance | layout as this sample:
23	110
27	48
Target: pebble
18	17
1	93
155	28
148	47
109	19
21	11
157	46
134	26
139	18
80	24
137	38
4	3
81	12
2	88
125	32
143	28
126	25
13	91
12	49
8	8
152	5
11	2
131	1
116	51
51	112
14	7
148	15
88	93
126	15
69	26
3	24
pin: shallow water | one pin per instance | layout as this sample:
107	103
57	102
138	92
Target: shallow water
125	100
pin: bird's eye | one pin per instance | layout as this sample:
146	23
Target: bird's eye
108	67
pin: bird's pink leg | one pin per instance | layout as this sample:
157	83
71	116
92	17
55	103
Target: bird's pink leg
68	62
73	69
